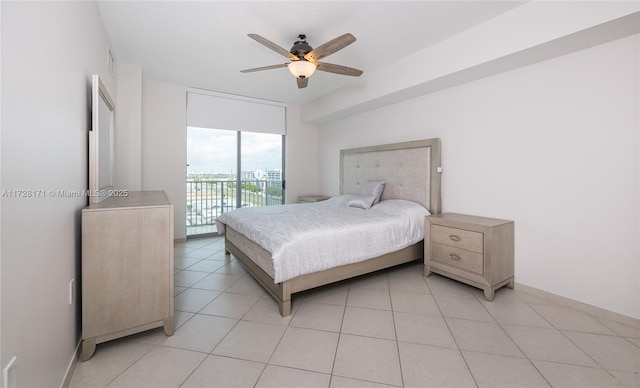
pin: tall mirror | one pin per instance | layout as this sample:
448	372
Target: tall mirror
101	142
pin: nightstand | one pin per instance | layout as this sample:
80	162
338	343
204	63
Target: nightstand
312	198
474	250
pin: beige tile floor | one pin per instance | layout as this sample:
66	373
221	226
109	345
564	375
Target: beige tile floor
392	328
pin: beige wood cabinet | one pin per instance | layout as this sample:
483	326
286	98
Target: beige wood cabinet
127	267
474	250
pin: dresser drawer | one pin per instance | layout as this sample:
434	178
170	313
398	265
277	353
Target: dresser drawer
467	260
459	238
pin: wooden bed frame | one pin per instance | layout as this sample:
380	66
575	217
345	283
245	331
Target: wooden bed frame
411	171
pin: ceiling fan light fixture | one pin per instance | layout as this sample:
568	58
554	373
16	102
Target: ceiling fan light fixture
304	58
302	68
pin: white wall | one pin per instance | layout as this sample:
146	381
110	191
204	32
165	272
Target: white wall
553	146
129	127
1	359
164	145
301	157
49	51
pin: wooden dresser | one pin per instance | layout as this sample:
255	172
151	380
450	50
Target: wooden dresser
474	250
127	267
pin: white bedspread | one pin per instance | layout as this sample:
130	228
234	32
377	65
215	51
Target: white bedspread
311	237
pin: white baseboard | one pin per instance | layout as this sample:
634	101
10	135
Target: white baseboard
581	306
72	367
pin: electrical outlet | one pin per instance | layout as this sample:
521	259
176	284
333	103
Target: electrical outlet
72	291
9	374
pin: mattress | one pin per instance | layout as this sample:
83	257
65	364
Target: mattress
312	237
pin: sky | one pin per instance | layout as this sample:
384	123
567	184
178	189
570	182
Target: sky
214	151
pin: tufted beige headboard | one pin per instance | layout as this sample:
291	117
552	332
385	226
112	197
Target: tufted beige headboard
410	170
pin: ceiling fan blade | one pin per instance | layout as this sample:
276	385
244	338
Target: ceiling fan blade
339	69
302	82
266	42
330	47
264	68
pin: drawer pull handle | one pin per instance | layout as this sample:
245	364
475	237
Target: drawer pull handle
453	256
453	237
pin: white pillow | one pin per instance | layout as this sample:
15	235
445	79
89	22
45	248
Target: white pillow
370	188
362	202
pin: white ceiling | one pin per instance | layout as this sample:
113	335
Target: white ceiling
204	44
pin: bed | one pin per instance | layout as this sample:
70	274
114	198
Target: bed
411	175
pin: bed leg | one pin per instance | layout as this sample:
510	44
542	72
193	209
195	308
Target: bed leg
285	308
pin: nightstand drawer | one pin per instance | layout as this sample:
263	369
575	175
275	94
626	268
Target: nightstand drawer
459	238
467	260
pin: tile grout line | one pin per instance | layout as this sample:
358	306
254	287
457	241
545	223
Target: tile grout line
395	332
451	333
515	343
335	354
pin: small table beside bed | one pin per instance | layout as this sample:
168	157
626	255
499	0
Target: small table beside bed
376	222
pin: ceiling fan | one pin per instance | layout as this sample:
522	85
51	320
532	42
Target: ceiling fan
305	59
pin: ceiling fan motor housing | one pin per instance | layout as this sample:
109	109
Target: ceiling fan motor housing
301	47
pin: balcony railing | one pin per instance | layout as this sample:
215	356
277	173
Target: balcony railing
207	199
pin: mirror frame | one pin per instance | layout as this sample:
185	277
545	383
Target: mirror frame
101	186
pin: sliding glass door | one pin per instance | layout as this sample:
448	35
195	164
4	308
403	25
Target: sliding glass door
261	169
230	169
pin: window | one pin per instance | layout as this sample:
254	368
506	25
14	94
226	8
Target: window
230	168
